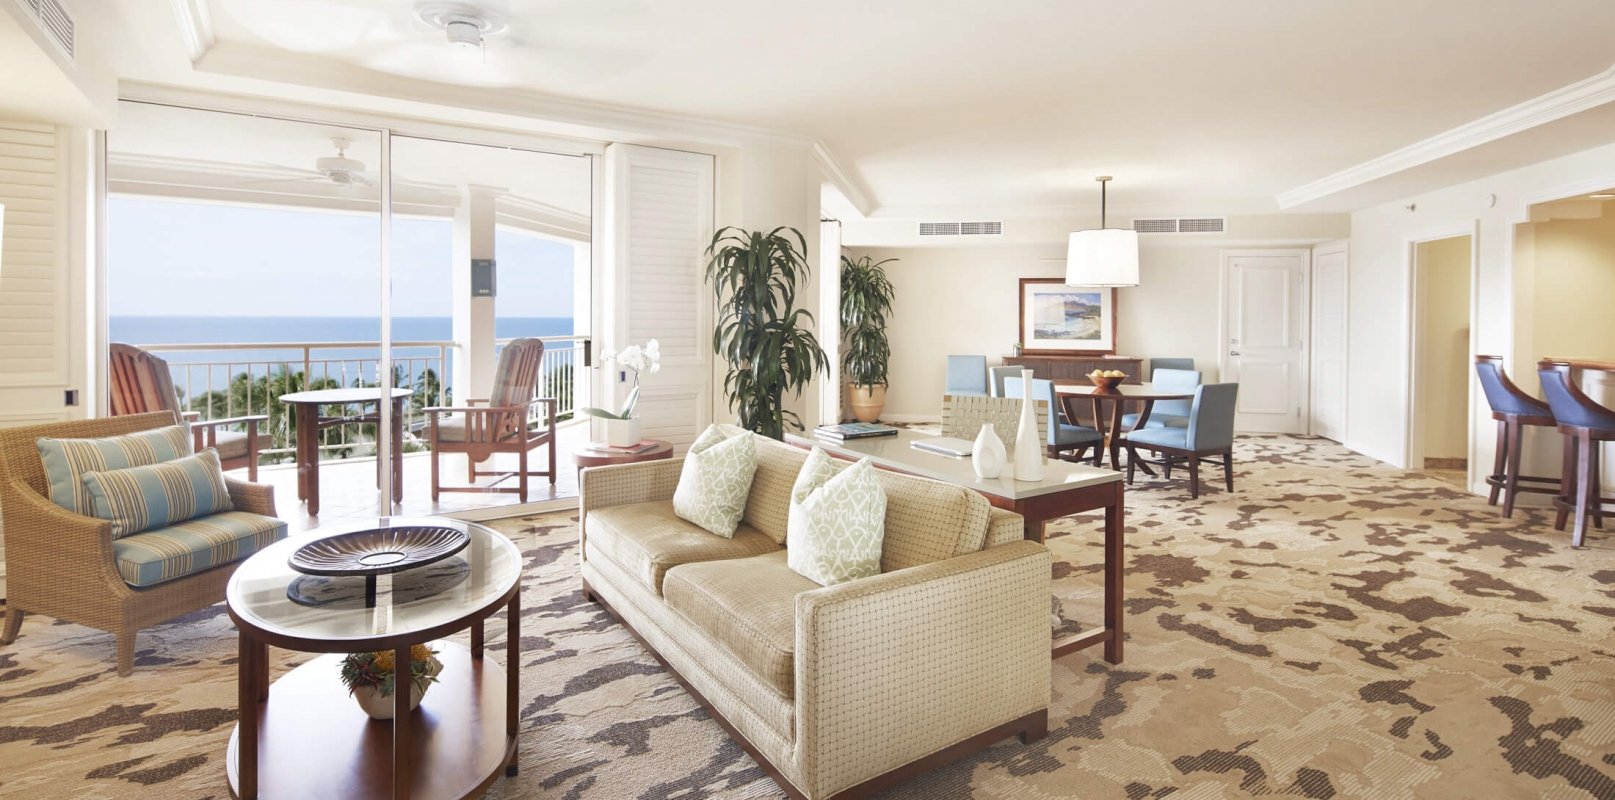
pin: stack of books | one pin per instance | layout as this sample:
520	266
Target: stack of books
633	449
847	431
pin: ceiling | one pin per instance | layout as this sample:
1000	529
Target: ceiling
1212	106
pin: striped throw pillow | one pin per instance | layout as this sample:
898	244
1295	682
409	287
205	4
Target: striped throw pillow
66	460
158	495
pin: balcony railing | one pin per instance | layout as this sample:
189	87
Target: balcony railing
255	374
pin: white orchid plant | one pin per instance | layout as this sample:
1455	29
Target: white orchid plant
646	360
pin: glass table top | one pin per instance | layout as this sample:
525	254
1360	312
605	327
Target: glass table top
267	594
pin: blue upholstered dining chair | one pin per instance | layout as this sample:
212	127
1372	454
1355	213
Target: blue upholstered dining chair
1168	413
1514	410
1062	437
967	375
1586	425
1169	363
1210	433
997	376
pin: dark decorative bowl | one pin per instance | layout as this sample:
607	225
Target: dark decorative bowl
1107	384
378	551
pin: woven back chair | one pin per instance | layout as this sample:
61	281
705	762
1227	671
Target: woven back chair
60	564
142	382
501	424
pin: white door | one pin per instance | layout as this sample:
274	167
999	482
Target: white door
657	223
40	346
1265	316
1329	340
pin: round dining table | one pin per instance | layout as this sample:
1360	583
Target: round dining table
1145	393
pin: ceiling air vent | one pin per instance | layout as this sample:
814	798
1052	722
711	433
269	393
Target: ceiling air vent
1180	225
54	20
995	228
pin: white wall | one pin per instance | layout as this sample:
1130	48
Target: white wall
1444	361
965	300
1381	238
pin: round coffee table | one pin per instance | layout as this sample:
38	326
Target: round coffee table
584	457
305	737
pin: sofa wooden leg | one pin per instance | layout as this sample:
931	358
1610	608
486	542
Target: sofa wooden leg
126	654
13	625
1037	727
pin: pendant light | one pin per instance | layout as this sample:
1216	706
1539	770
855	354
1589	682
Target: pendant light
1102	257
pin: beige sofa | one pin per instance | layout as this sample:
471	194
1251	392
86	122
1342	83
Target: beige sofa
837	691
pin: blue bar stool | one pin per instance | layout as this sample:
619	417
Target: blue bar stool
1514	410
1586	426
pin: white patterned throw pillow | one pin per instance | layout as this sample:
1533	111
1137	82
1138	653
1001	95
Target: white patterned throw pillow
716	480
837	521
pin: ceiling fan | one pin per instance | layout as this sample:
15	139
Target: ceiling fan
338	169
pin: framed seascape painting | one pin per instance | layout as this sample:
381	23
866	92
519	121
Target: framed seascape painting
1061	319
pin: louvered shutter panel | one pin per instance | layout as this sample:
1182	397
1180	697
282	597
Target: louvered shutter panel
659	221
33	262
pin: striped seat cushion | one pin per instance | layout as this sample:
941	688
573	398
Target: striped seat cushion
66	460
156	495
150	558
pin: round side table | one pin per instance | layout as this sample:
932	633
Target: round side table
302	736
595	458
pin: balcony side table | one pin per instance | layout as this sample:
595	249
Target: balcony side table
310	422
585	457
305	737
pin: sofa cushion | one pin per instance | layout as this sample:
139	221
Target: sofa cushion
232	444
768	507
747	605
66	460
646	540
929	521
150	558
158	495
716	479
838	519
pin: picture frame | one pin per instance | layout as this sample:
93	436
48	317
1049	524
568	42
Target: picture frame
1059	319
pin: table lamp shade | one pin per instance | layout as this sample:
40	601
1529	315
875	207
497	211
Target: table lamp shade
1104	257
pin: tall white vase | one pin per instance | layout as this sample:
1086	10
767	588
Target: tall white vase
988	455
1028	445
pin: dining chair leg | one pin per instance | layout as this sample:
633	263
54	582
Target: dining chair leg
435	481
1194	477
521	477
1166	466
1498	463
1586	490
1132	462
1511	482
1228	469
1567	484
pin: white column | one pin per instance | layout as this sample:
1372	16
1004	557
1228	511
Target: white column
582	318
473	316
829	319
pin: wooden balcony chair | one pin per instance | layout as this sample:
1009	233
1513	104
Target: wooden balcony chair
142	383
500	426
65	565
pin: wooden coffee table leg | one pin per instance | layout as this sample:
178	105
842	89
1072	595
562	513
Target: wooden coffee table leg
476	638
513	671
403	725
1115	558
247	718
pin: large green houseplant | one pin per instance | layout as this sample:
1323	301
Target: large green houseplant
866	299
760	332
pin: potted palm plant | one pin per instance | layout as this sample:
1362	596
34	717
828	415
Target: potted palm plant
760	332
866	298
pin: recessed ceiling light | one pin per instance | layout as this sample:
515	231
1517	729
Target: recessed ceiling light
1602	196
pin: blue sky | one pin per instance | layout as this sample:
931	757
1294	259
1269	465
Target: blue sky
196	259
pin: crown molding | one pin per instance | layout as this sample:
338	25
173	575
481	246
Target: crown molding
1565	101
195	27
844	182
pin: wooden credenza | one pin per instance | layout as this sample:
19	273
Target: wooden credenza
1076	368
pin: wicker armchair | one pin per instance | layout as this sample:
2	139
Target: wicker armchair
60	564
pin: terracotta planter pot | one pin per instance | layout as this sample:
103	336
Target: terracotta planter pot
867	402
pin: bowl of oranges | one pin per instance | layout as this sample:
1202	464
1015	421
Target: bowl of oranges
1107	379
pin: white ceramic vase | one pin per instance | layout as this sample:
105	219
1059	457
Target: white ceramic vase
988	455
1028	445
622	432
379	706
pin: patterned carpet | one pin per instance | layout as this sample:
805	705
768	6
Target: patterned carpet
1334	629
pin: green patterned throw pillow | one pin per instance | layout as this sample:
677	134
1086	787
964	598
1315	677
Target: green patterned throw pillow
716	480
837	521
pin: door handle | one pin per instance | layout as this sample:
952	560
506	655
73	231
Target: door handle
1233	352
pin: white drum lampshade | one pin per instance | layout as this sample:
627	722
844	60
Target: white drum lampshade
1104	257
